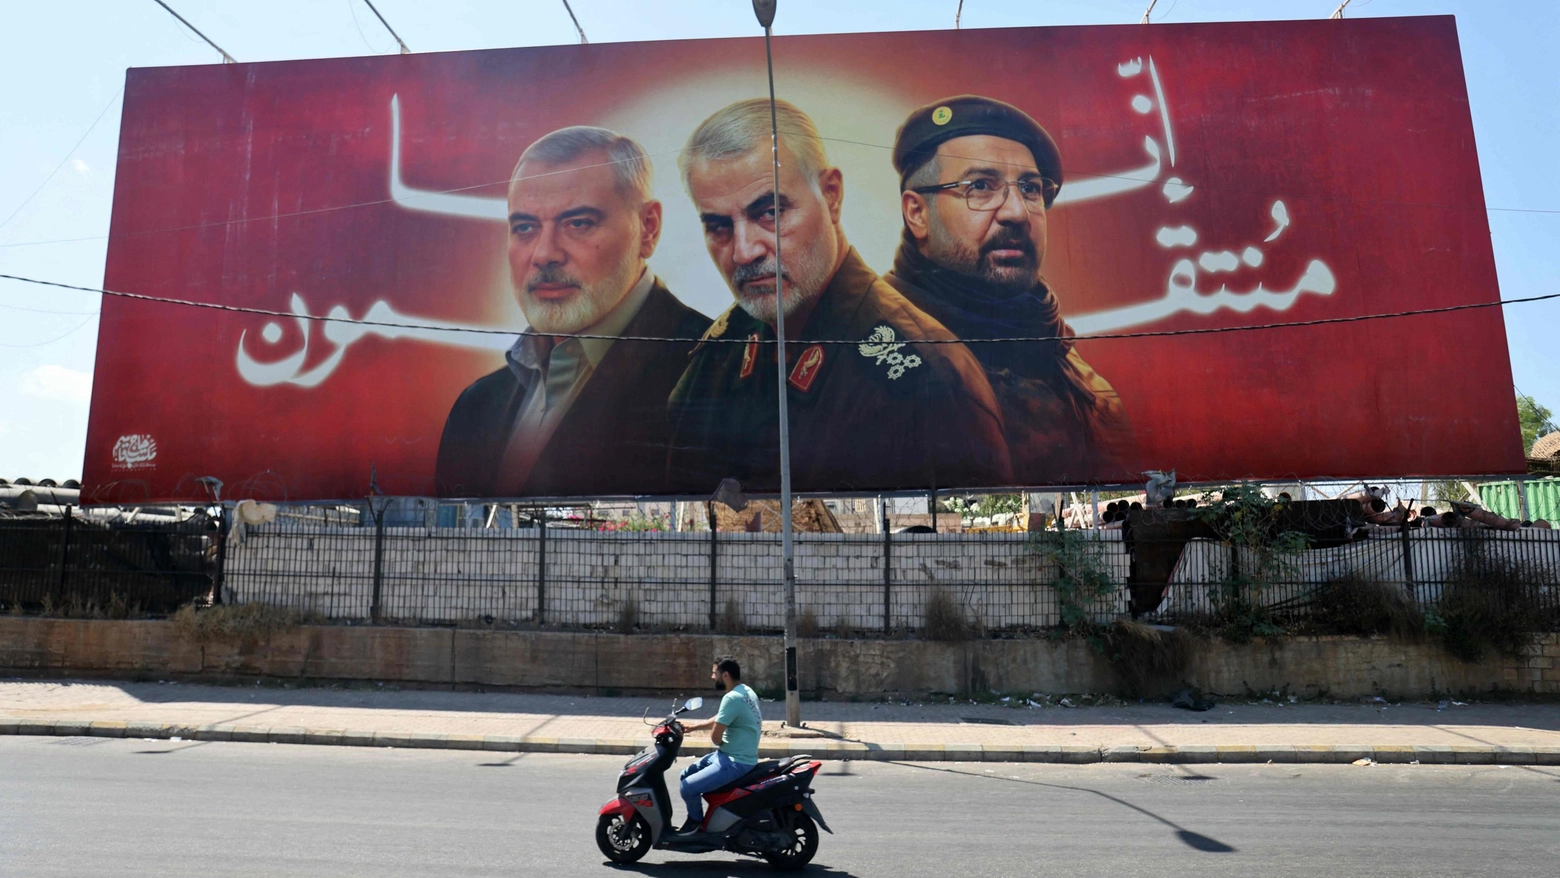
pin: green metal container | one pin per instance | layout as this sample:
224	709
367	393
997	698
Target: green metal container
1543	497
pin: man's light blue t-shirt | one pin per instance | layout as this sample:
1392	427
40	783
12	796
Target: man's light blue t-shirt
740	715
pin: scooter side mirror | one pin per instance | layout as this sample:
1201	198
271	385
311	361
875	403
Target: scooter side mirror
694	703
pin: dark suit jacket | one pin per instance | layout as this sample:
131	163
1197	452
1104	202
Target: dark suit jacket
882	413
612	439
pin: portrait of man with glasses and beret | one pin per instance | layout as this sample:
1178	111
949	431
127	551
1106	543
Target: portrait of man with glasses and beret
977	177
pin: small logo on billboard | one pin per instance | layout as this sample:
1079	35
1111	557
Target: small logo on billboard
135	451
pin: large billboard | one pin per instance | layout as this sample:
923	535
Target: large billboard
549	272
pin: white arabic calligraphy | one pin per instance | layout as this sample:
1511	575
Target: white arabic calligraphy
1181	287
446	203
1113	184
1281	217
1180	236
1180	294
289	369
1175	190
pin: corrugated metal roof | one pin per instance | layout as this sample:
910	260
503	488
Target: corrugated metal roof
43	483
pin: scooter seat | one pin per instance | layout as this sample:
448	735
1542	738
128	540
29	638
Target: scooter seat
765	769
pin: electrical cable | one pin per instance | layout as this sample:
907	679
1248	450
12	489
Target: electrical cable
1167	12
398	40
79	142
576	21
39	344
47	311
226	58
1164	333
352	10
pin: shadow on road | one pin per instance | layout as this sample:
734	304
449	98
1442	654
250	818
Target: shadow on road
719	869
1194	840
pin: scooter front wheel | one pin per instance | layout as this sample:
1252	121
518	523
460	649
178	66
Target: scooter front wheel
623	840
802	835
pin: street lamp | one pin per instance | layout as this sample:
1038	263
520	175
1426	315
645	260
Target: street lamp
765	10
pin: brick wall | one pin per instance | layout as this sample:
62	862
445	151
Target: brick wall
1539	670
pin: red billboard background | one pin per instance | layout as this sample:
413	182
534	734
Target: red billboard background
1243	155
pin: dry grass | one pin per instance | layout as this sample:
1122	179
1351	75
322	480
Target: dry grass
1148	659
944	619
1492	606
807	623
1353	604
731	620
843	629
242	623
628	617
117	607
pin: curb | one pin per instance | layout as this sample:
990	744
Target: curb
840	750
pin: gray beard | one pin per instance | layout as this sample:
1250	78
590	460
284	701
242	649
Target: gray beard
590	304
806	284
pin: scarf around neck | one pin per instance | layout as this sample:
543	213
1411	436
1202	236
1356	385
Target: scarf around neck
972	310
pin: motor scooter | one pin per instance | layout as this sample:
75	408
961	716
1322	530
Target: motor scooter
768	812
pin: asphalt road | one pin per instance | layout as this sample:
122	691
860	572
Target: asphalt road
94	806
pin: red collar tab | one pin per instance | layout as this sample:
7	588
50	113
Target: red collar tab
806	369
749	356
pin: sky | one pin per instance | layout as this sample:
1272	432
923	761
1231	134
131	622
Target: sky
62	67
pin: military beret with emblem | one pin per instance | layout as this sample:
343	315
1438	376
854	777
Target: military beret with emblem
966	116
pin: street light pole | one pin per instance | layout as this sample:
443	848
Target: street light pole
765	10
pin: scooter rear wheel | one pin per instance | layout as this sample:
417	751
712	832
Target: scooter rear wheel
803	833
623	840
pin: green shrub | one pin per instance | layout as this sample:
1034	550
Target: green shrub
1491	605
1081	577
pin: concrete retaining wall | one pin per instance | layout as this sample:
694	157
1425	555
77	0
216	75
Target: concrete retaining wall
610	663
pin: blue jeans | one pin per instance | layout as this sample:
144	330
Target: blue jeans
708	773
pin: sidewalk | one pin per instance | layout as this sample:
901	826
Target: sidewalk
1234	731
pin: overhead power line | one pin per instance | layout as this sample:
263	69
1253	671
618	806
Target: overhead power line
474	330
576	21
79	142
226	58
61	337
398	40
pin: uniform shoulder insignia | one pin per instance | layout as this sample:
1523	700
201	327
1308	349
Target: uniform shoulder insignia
718	328
882	345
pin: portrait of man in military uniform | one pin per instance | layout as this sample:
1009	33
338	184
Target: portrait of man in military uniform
977	177
576	415
886	410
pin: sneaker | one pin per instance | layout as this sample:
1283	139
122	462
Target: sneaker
689	827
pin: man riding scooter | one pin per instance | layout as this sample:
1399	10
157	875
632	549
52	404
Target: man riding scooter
736	728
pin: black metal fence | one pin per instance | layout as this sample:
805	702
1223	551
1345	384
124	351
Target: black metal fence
1423	567
115	566
550	574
